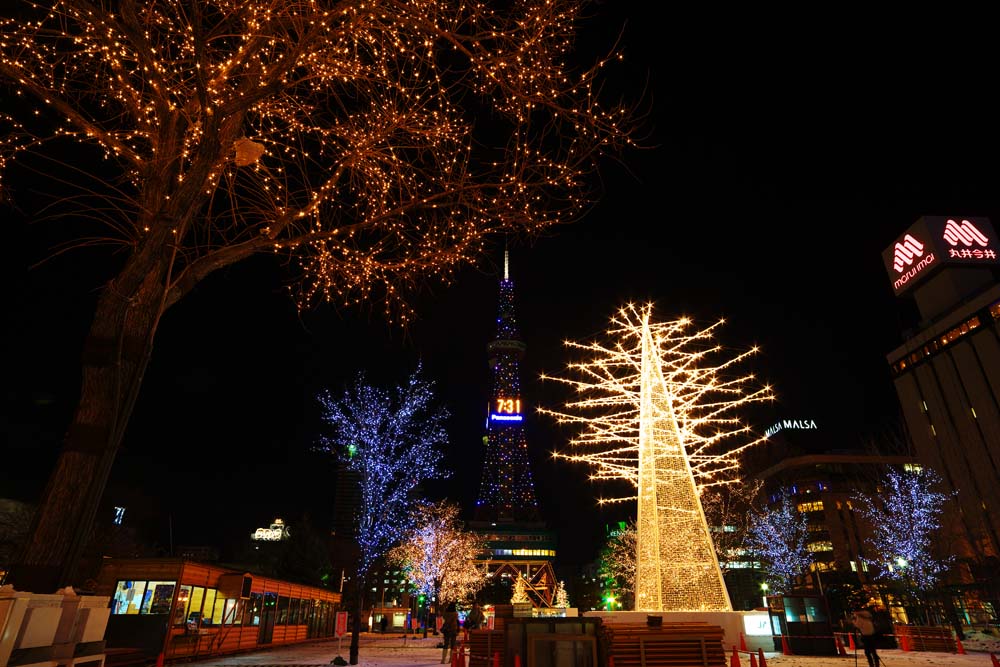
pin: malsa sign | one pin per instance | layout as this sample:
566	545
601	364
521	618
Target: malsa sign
936	241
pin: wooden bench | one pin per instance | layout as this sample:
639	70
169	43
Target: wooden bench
669	645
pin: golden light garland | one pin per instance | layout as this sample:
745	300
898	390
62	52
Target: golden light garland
656	411
350	137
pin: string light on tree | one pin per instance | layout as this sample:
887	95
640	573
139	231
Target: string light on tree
905	517
391	438
438	556
338	137
778	538
657	407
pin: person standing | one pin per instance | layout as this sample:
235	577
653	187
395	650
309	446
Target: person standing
449	629
863	621
475	619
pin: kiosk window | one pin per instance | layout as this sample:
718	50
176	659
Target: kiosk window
183	601
128	597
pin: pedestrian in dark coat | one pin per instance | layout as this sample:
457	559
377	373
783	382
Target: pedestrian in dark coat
863	621
449	629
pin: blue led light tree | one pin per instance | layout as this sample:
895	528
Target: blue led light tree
506	490
904	515
778	537
391	438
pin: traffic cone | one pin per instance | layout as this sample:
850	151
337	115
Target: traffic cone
159	660
958	645
517	660
840	645
735	660
753	660
743	642
785	648
850	638
763	661
496	659
996	661
904	642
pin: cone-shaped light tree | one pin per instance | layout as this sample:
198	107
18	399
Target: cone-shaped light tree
657	405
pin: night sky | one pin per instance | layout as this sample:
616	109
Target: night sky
780	167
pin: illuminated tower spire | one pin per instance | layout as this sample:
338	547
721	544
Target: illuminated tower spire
506	492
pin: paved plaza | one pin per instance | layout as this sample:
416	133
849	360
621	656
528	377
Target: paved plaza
396	651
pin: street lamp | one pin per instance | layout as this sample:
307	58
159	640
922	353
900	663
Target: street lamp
763	588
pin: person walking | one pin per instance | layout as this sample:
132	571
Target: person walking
863	621
449	629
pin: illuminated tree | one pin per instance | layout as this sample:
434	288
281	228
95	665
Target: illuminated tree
366	146
562	597
520	593
904	514
778	537
391	438
656	411
727	511
439	557
617	564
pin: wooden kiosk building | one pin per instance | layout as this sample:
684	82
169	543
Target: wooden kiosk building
183	609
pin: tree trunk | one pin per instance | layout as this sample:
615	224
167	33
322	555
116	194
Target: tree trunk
359	603
115	357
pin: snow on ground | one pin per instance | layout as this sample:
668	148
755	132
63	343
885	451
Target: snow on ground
395	651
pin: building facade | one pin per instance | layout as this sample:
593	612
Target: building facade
947	378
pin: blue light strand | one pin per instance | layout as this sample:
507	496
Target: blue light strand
391	438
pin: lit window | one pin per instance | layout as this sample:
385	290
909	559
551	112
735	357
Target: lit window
822	545
854	566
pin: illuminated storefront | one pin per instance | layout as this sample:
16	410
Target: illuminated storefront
181	608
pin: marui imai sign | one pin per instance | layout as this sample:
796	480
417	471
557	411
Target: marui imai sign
935	241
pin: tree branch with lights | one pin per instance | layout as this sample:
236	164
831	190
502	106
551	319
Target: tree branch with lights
367	147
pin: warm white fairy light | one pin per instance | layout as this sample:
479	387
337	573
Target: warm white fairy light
344	136
656	411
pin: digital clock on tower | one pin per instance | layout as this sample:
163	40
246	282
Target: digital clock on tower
506	410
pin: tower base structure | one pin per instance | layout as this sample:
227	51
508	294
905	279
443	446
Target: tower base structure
733	623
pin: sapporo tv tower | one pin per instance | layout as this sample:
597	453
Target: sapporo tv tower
506	510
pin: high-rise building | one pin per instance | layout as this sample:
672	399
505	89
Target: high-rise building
506	511
947	375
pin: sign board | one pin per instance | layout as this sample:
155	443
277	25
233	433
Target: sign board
936	241
341	627
522	609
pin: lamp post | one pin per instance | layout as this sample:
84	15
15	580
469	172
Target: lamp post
904	570
763	588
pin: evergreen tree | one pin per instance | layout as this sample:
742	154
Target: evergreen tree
391	438
562	597
520	594
778	539
617	564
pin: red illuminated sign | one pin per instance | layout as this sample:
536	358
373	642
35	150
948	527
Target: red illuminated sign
935	241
